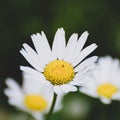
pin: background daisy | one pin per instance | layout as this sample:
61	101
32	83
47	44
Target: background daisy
63	66
33	97
104	83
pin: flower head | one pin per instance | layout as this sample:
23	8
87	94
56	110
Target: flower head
63	65
104	83
33	97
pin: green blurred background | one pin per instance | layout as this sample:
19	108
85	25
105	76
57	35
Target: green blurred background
21	18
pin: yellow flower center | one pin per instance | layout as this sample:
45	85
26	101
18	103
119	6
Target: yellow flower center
107	90
59	72
35	102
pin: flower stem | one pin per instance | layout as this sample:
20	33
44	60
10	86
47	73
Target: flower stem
52	106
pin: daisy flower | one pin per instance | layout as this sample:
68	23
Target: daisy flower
33	97
104	83
62	65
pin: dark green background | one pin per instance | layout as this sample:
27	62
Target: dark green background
21	18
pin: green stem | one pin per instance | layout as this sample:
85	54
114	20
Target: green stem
52	106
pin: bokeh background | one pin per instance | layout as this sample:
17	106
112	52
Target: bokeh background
21	18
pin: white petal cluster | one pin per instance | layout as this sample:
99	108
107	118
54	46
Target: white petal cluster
107	71
16	95
73	53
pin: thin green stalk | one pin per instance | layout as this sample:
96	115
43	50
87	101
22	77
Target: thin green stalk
52	106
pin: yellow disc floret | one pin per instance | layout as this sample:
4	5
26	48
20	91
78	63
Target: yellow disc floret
107	90
35	102
59	72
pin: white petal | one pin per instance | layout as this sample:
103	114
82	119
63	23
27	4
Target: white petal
47	51
105	100
14	93
89	92
85	71
82	40
70	47
79	45
37	87
86	63
68	88
78	81
37	115
42	47
12	84
57	89
59	104
58	48
13	89
34	74
85	52
30	59
116	96
31	86
33	55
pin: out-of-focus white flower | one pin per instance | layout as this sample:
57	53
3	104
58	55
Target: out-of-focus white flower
104	83
33	97
63	66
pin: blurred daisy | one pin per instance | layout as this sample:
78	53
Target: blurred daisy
33	97
104	83
63	66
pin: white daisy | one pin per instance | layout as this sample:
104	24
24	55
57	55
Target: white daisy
63	65
104	83
33	97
